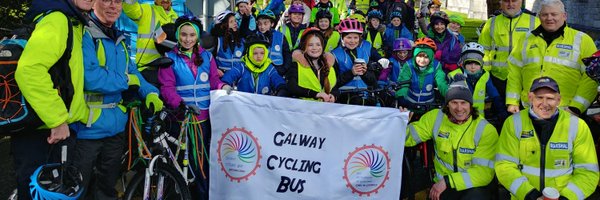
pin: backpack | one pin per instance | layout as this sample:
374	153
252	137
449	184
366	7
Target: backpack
16	114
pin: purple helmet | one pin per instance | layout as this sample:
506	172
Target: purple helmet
296	8
402	44
593	66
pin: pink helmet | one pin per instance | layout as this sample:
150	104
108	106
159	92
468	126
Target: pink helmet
350	26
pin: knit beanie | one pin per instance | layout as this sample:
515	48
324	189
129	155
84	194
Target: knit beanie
459	90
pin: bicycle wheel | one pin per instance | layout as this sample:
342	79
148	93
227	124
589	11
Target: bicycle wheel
174	186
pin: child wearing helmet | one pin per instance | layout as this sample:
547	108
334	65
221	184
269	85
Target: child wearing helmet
279	49
313	74
323	22
456	23
325	5
375	31
424	16
244	17
449	47
480	84
294	28
357	60
396	29
399	57
256	74
286	15
423	73
230	43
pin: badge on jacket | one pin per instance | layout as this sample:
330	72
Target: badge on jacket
527	134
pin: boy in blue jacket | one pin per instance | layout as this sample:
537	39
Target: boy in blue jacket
256	74
394	30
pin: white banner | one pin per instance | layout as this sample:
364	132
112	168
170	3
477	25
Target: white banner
266	147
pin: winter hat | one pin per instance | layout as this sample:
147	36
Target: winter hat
425	50
471	56
459	90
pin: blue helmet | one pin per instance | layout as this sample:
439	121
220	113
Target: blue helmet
56	182
375	14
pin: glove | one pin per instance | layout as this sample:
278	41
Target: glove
384	62
227	88
153	102
133	80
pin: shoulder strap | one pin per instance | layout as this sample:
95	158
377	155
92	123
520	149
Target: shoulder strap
61	72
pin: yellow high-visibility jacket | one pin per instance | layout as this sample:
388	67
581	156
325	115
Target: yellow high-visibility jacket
45	46
561	60
463	152
149	18
569	157
499	36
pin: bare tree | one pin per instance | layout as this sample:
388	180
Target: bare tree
11	14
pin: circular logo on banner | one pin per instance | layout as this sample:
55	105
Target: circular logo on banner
203	77
366	169
277	48
238	53
265	90
238	154
429	87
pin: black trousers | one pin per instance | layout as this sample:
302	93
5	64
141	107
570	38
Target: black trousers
105	156
30	150
478	193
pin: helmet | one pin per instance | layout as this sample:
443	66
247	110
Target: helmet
296	8
267	14
434	2
56	181
310	30
439	15
426	42
257	38
221	17
241	1
593	66
402	44
396	14
375	14
350	25
457	19
323	13
374	4
472	47
191	19
358	17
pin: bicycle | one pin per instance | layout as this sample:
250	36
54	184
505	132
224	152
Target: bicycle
382	96
169	166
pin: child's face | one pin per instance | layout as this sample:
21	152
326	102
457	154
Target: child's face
439	27
351	40
187	37
455	27
323	23
313	47
296	17
264	25
422	59
473	67
258	54
374	22
402	54
396	21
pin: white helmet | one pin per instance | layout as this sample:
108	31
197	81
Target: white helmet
220	18
472	47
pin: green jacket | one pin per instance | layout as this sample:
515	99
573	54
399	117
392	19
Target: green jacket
406	74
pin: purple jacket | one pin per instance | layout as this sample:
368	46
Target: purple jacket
448	51
166	77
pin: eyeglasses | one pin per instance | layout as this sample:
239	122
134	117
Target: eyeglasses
116	2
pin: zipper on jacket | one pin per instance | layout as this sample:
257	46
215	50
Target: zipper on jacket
542	167
455	160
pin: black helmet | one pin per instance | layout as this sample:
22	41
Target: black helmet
323	13
256	38
191	19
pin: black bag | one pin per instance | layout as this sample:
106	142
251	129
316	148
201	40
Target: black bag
16	114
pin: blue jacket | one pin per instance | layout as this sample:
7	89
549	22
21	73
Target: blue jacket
267	82
396	67
107	63
416	93
193	90
226	58
394	32
346	61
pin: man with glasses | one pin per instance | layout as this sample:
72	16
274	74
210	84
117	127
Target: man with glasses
500	35
149	19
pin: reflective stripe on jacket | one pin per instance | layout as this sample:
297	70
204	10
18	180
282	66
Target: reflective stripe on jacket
193	90
463	152
561	60
498	36
346	61
276	49
266	82
226	58
569	158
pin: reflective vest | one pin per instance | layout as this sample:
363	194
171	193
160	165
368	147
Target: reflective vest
421	94
463	152
149	18
346	61
262	83
396	67
498	36
226	58
275	51
561	60
288	37
333	41
307	79
193	90
568	160
362	5
479	92
377	42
